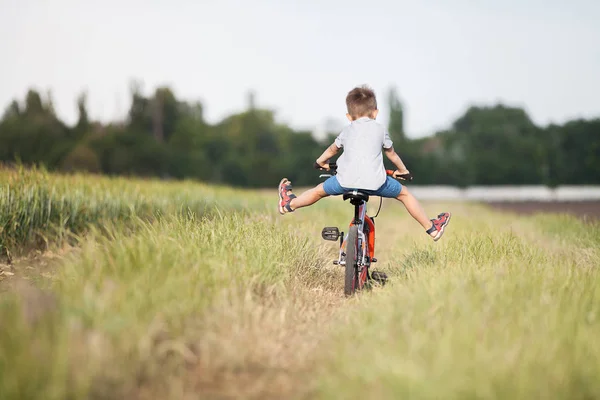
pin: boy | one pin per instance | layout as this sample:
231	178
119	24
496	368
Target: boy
361	165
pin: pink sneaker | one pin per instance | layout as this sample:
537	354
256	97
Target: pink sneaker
285	196
438	225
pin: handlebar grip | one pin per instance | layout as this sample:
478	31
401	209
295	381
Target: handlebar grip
406	177
332	166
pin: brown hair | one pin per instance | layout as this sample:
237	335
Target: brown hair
361	102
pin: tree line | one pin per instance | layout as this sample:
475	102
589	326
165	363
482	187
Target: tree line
165	137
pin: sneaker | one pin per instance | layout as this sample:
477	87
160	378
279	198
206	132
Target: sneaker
285	196
438	225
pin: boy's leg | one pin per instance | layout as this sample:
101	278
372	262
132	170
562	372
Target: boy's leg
311	196
414	208
434	227
289	202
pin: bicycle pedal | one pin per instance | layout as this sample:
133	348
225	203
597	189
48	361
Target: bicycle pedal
331	233
373	260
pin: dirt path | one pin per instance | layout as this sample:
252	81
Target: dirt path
36	268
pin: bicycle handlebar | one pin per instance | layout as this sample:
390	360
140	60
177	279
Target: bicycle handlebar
332	167
333	170
405	177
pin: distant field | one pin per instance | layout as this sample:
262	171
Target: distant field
154	290
586	210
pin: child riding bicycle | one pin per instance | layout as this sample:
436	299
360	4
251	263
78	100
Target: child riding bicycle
360	167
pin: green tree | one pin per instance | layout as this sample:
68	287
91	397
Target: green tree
12	111
254	148
500	145
34	135
575	157
156	116
83	121
187	146
82	158
396	117
167	137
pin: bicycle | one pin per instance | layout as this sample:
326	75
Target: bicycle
360	254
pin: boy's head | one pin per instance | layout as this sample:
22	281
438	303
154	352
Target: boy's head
361	102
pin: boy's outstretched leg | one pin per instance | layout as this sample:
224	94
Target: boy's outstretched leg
288	201
434	227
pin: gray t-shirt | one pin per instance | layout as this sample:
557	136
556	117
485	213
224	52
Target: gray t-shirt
361	164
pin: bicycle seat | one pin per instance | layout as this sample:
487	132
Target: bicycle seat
356	196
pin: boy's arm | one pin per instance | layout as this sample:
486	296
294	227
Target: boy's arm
327	154
395	159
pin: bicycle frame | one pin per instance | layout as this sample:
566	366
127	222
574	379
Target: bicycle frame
366	242
365	237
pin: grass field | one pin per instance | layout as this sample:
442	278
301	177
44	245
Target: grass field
155	290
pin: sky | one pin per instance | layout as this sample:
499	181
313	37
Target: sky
301	57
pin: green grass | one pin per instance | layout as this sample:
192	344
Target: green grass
184	291
40	209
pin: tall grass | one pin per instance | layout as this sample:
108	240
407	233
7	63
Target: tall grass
37	208
492	313
171	306
220	297
134	309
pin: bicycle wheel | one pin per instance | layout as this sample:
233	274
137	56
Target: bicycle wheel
351	281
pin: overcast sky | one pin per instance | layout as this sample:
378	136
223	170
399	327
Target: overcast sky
303	56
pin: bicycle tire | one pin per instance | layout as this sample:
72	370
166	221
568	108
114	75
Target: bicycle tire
351	278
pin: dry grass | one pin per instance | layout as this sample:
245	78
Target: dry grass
501	309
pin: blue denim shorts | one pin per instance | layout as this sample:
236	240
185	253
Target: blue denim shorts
391	188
